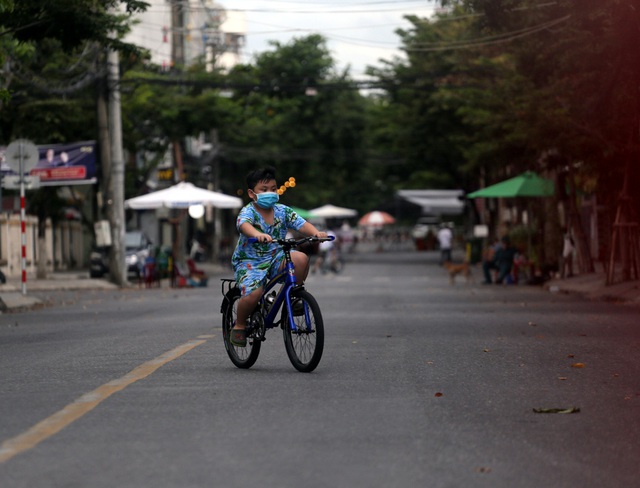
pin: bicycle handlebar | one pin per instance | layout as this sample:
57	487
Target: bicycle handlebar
292	241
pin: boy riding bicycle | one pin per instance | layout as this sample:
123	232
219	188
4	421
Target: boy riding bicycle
254	264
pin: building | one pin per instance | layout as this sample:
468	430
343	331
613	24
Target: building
182	32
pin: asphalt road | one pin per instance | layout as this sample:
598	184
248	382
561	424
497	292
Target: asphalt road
421	384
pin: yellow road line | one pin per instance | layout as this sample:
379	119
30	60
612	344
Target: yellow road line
87	402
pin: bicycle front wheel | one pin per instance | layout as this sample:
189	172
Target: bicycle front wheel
242	357
305	343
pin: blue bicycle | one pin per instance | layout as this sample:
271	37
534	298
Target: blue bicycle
298	311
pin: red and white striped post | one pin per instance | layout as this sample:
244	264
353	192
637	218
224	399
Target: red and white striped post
23	238
23	234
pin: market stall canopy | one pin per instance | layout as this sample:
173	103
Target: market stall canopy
435	202
182	195
528	184
333	212
376	218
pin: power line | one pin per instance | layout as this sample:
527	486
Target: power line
192	8
489	41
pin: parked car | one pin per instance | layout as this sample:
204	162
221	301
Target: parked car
137	248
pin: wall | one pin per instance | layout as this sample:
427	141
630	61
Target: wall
65	245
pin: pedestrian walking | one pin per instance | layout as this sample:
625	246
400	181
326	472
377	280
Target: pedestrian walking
566	259
445	238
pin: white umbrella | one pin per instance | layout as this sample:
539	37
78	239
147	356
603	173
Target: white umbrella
183	195
333	212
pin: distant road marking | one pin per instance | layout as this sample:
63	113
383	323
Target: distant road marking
346	279
381	279
87	402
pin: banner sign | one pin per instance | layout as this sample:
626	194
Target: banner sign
61	164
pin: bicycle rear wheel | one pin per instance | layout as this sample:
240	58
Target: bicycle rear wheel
305	344
242	357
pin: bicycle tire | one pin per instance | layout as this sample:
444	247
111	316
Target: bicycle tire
242	357
305	344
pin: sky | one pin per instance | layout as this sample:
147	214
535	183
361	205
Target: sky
358	32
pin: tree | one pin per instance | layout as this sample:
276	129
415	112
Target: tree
301	116
492	85
51	51
585	77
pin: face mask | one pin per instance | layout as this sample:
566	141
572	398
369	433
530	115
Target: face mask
266	199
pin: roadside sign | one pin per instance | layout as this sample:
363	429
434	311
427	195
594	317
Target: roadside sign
22	156
22	149
12	182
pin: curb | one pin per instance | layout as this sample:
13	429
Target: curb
17	302
593	287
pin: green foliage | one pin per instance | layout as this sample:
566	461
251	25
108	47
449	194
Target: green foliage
295	113
35	110
71	22
490	86
485	89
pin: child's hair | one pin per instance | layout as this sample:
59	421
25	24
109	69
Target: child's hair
256	176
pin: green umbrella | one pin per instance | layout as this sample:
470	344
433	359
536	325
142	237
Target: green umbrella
305	214
528	184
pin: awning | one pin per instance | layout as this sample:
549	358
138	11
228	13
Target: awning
435	202
528	184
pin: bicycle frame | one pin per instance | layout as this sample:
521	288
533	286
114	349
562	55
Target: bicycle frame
283	297
287	275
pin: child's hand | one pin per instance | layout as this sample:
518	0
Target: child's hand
322	235
264	238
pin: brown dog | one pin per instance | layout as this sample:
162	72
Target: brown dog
456	269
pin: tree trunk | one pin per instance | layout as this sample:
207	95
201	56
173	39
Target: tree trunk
585	263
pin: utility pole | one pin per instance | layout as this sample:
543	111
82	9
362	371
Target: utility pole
115	204
178	55
217	217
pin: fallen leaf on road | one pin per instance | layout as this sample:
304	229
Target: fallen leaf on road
562	378
532	324
578	365
486	350
438	394
557	410
483	469
571	355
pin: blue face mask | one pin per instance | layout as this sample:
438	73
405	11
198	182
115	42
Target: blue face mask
266	199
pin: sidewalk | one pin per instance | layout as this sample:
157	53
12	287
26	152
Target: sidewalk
12	299
590	286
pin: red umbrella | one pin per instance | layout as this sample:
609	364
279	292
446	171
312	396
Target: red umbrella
376	218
